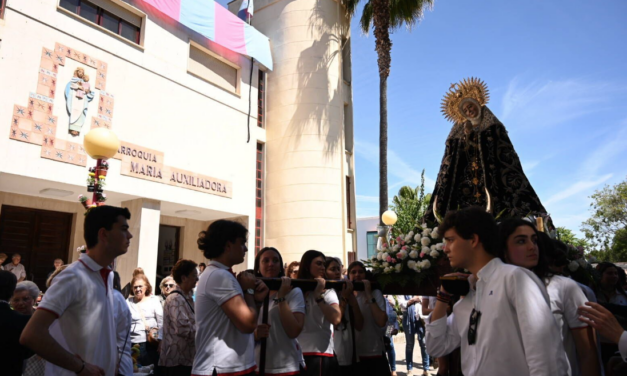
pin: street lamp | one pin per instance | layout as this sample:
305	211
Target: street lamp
100	144
388	218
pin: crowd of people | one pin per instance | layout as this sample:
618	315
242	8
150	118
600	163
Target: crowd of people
520	316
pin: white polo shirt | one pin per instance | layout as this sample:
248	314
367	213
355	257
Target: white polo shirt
283	355
369	340
84	306
317	335
219	344
123	329
566	298
516	335
343	340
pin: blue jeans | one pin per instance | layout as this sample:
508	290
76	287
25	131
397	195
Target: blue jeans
409	349
392	355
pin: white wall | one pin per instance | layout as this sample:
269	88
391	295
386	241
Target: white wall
364	225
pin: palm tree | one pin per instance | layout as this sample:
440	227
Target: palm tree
386	15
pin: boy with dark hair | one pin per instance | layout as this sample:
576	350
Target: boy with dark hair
82	298
504	325
226	309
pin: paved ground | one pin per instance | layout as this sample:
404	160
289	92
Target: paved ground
401	364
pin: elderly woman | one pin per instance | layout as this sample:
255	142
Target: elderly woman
146	320
24	297
166	286
179	322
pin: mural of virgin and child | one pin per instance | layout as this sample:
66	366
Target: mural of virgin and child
78	95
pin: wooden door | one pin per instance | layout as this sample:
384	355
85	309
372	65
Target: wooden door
40	236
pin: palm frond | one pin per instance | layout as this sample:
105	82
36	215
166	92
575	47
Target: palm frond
408	12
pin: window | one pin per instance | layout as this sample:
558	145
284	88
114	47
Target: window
372	243
261	99
348	202
346	60
116	20
259	200
212	68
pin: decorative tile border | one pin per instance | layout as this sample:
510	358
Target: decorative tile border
36	124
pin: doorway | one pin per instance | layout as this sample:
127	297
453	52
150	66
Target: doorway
39	236
168	252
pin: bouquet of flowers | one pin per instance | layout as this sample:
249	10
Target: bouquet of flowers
408	257
578	268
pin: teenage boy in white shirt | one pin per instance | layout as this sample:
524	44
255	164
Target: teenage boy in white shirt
504	324
82	299
226	308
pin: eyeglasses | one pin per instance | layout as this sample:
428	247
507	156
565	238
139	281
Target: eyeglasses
475	317
138	287
169	285
295	271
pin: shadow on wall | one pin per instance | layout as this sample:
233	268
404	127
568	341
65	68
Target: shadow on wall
318	103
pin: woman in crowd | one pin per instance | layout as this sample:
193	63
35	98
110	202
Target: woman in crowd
518	245
201	268
322	313
370	346
352	319
179	322
3	258
147	319
286	318
24	297
608	291
292	270
166	286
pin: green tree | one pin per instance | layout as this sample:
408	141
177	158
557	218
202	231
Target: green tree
386	15
568	237
409	205
606	228
617	252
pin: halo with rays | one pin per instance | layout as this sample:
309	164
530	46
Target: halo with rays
467	88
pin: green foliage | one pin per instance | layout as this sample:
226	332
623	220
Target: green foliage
410	206
402	12
568	237
605	230
618	250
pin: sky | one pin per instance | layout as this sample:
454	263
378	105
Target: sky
557	75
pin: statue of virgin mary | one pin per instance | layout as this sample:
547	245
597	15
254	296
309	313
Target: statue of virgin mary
480	166
78	94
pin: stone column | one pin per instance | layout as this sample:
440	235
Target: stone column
143	252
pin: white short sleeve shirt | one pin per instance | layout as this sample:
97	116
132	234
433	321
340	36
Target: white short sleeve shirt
566	298
317	335
369	340
18	270
153	313
84	305
284	355
219	344
123	329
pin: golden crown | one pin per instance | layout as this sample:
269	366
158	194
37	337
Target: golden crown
467	88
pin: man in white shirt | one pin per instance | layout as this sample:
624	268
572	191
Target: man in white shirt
504	325
16	268
82	299
226	308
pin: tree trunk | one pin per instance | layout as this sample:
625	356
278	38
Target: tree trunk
383	46
383	145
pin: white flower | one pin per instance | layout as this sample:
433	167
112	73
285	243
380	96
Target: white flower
426	250
574	265
385	264
417	238
411	234
380	256
396	248
411	264
435	234
440	246
434	254
385	256
426	232
425	264
398	267
582	262
413	254
375	264
434	247
408	237
403	255
387	270
425	241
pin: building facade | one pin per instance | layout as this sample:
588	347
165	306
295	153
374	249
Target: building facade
205	133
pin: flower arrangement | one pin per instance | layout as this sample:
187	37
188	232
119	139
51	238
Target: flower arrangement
80	249
101	198
408	257
579	269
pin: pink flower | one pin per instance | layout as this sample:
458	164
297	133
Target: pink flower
422	254
389	259
393	261
399	256
384	245
404	248
399	239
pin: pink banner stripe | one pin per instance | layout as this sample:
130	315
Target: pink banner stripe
229	30
171	8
